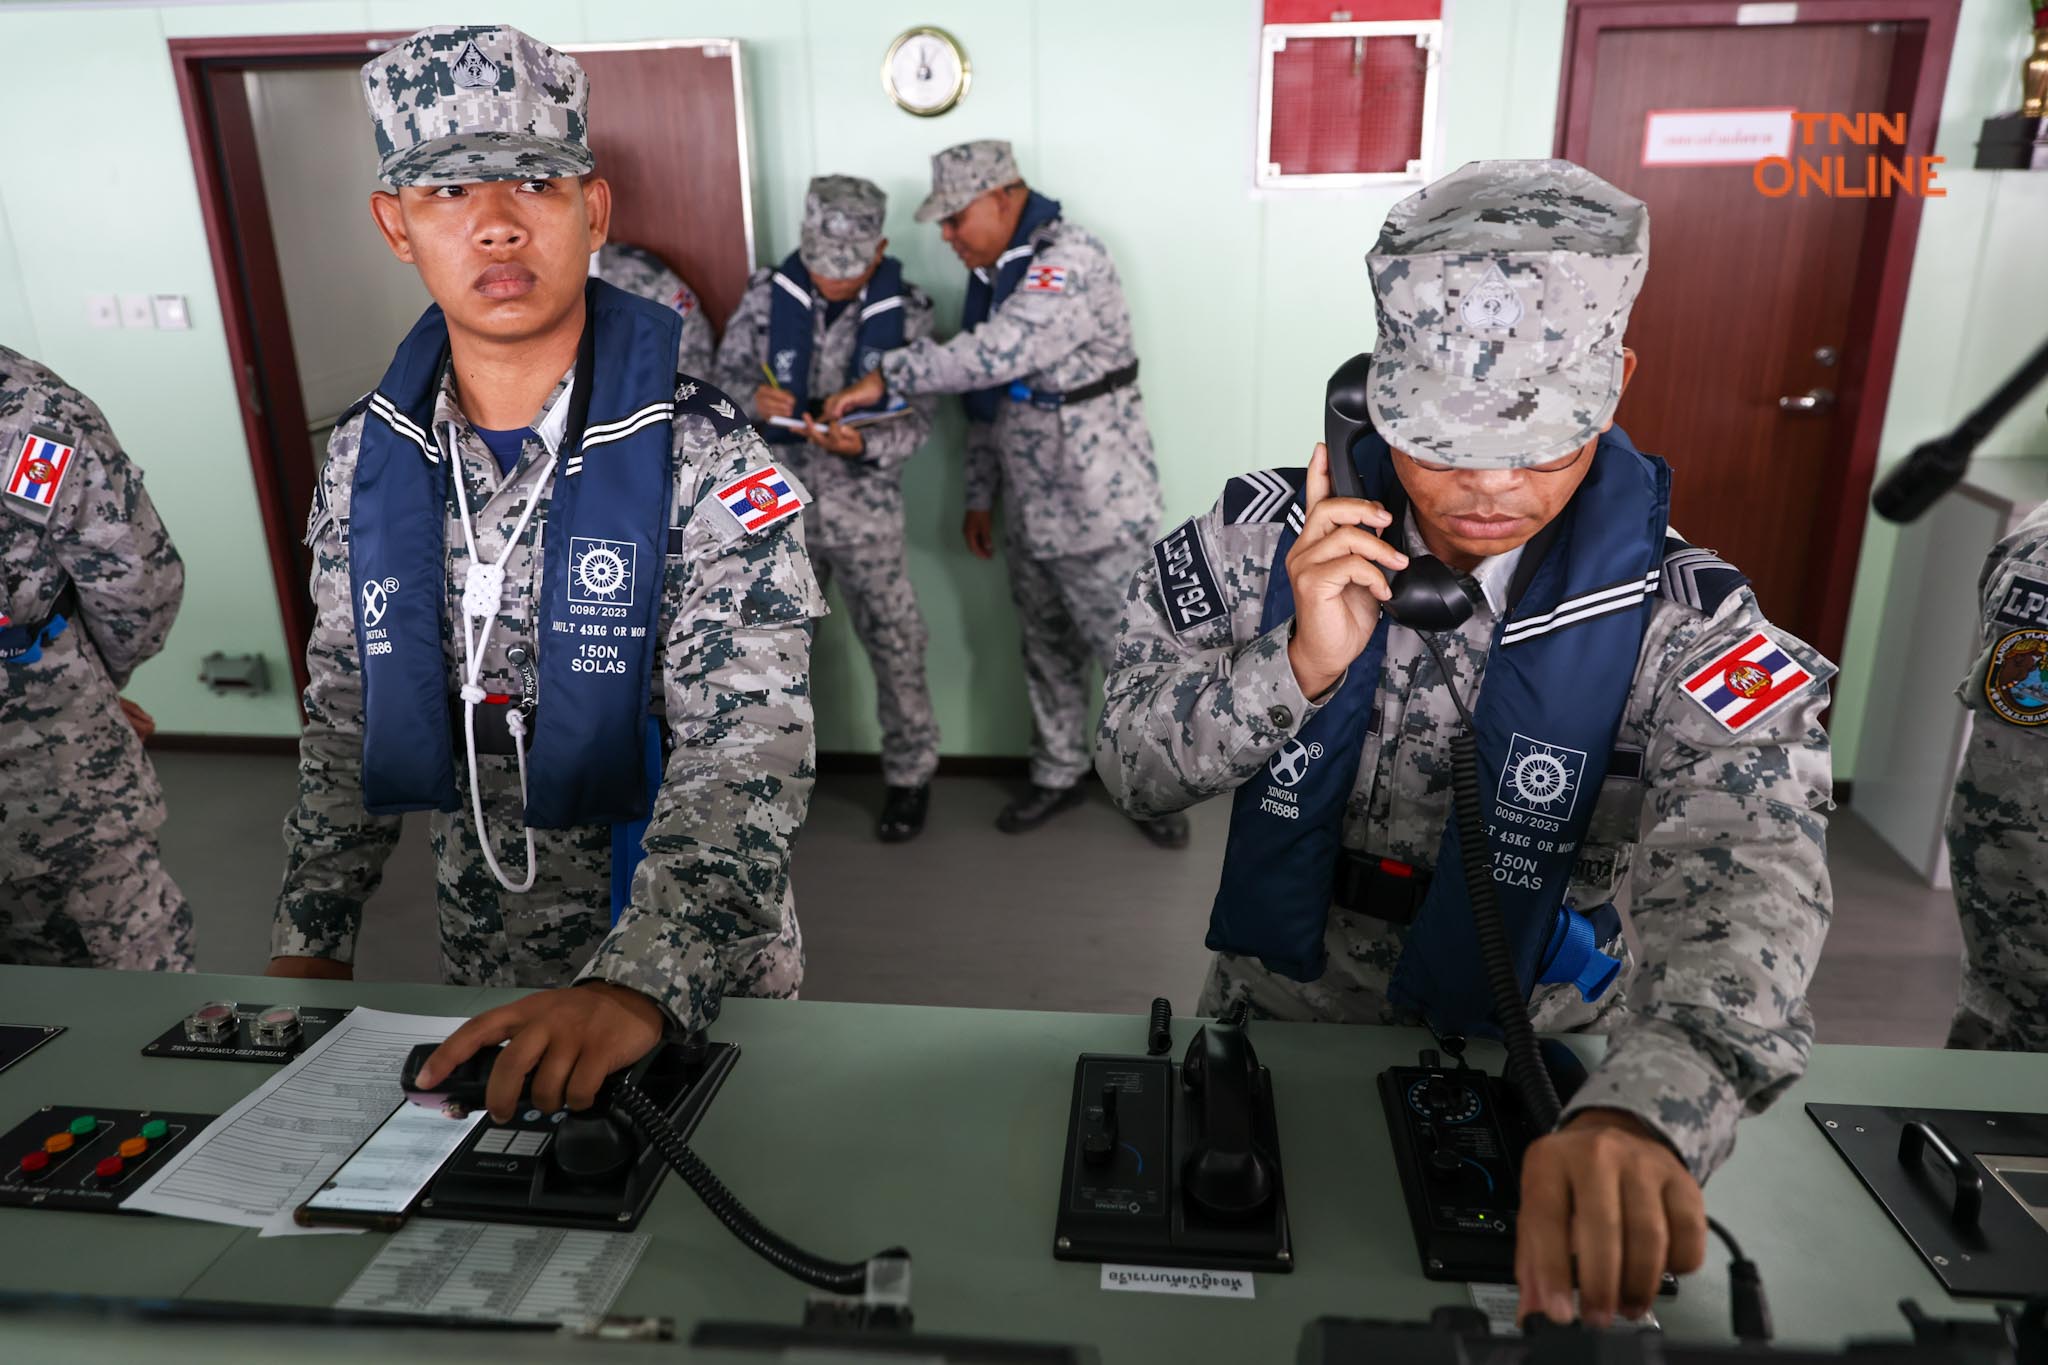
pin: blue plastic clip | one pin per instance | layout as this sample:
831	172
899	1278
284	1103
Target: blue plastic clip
1574	957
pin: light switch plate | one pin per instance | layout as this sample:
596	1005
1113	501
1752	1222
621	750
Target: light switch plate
136	311
102	310
171	313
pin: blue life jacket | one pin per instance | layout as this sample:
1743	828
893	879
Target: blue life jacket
789	331
1556	685
597	623
986	290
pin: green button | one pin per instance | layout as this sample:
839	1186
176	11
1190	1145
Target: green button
154	1129
84	1124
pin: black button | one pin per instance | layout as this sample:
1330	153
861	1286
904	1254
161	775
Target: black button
1281	717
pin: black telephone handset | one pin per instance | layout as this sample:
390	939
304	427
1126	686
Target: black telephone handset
1225	1174
1428	594
600	1142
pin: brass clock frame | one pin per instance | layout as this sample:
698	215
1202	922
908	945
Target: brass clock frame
959	90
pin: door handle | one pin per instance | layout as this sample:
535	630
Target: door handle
1813	400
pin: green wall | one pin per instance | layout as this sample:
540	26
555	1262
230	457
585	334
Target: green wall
1978	305
1138	115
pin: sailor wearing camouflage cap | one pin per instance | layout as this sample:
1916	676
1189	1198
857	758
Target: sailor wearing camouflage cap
830	313
1045	363
671	582
1647	738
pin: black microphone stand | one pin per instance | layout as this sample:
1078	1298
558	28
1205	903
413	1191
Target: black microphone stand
1938	465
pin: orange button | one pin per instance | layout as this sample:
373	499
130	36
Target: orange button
108	1168
57	1142
133	1147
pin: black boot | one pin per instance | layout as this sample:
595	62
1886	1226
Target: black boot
903	811
1037	806
1167	831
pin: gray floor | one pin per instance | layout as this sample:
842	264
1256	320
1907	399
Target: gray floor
1082	915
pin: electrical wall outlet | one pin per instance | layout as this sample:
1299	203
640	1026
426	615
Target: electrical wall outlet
137	311
171	313
102	310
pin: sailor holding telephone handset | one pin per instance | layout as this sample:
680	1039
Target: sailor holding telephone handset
1654	774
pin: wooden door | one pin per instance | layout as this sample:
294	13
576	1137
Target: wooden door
1751	299
665	127
668	131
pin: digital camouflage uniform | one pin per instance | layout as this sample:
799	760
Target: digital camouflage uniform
854	523
711	911
1998	822
81	883
1079	487
639	271
1711	843
711	906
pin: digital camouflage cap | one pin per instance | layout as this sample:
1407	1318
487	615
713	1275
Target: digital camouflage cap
962	174
1503	291
455	105
842	226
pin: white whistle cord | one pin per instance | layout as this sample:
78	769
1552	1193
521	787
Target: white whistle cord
483	592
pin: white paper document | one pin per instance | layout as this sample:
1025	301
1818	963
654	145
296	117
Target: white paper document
496	1271
263	1158
856	420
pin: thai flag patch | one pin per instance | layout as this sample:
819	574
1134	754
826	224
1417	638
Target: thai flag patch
760	499
38	470
683	301
1747	682
1045	279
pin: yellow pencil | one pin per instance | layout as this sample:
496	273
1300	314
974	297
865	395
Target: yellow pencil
771	375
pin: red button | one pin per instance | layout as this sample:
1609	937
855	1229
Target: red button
108	1168
34	1162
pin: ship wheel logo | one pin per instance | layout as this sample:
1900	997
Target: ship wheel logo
601	571
1542	779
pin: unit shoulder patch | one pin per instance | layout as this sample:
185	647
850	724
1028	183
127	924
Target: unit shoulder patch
36	468
1747	682
1187	584
2016	678
762	497
1046	279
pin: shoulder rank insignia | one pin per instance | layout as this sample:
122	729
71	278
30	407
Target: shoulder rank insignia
1697	578
1262	495
697	397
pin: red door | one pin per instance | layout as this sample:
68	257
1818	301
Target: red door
1757	327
